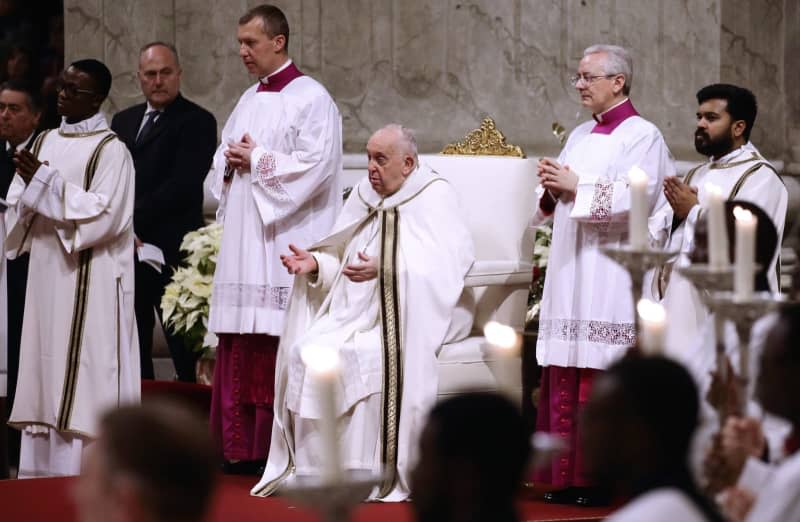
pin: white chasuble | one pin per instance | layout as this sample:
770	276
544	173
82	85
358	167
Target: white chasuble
387	332
587	318
79	350
291	194
743	175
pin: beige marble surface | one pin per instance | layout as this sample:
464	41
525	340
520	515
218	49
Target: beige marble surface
441	66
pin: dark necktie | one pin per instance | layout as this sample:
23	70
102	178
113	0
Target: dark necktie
148	126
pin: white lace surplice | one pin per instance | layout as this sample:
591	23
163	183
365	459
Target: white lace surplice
292	195
587	316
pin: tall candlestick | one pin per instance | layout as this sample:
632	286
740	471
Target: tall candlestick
637	219
323	363
652	326
505	343
745	268
717	229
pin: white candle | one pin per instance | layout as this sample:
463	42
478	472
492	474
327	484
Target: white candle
745	267
505	343
323	363
717	228
652	326
637	219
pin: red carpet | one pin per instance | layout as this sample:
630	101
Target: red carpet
48	500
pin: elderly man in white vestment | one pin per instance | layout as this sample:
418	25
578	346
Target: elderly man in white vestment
72	209
725	118
380	290
276	175
587	318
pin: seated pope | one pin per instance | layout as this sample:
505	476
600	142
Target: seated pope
381	290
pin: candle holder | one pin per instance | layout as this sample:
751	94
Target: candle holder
743	312
637	261
334	501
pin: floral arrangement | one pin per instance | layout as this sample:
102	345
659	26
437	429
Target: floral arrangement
541	252
186	299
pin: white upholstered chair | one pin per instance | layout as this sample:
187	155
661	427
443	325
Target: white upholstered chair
497	195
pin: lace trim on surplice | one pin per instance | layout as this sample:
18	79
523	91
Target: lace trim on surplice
600	209
591	331
245	295
264	172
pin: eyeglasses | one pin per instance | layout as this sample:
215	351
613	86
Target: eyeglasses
588	80
70	89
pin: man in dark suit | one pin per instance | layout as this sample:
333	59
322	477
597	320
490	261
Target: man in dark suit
171	141
20	113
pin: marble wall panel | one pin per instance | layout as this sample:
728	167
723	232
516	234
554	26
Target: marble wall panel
440	66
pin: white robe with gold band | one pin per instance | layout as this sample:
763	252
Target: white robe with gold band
387	332
79	353
742	174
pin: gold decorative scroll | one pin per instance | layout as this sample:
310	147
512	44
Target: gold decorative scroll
485	141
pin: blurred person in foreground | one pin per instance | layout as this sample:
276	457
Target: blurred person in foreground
150	463
473	453
638	427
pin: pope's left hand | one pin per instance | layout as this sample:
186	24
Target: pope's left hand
558	179
238	154
364	271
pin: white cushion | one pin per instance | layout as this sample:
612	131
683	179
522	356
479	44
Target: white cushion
471	365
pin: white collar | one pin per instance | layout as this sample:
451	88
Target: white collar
732	155
265	79
22	144
150	109
90	124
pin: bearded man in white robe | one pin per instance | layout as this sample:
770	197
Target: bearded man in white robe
725	118
381	291
587	318
276	175
72	209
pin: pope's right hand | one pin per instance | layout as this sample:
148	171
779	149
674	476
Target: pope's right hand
299	262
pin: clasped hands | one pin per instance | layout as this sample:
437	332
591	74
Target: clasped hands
557	179
26	164
302	262
681	197
237	155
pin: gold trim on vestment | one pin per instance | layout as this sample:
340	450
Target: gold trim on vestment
487	140
81	134
20	425
79	307
392	350
753	157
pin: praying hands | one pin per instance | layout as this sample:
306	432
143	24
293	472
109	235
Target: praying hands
26	164
558	179
238	153
680	196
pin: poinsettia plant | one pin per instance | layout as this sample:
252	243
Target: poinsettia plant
187	298
541	252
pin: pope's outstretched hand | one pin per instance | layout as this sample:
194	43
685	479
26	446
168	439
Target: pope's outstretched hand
299	262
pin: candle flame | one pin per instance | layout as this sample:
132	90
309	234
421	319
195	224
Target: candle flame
320	359
500	335
637	175
713	189
743	215
650	311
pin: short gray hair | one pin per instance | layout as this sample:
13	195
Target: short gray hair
618	61
159	43
407	137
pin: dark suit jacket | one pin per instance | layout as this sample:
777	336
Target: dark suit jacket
171	163
7	168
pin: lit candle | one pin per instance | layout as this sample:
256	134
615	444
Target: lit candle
505	343
745	267
652	326
717	229
637	220
323	363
